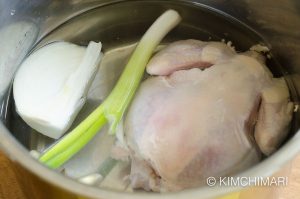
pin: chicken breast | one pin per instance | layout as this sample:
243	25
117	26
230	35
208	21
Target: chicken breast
197	116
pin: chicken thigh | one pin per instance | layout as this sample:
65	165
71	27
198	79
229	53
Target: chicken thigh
205	111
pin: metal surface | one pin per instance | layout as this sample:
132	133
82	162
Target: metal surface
25	25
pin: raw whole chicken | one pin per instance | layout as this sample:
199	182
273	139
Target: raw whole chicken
205	111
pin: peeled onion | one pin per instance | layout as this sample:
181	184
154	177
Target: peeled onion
50	86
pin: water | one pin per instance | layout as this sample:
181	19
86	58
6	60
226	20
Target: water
119	27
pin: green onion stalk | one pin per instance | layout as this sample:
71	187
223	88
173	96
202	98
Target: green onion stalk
113	108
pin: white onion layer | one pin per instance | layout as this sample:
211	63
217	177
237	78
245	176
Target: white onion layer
50	86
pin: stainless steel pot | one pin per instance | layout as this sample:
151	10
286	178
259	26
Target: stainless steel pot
25	25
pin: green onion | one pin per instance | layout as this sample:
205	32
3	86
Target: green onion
113	108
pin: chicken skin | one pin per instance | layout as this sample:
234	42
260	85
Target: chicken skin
204	111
